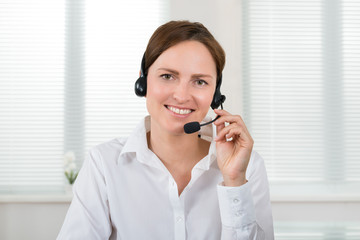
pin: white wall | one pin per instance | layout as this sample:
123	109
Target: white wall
223	19
31	221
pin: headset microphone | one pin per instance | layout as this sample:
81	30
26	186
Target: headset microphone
192	127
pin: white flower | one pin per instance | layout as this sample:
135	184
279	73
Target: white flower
70	168
69	158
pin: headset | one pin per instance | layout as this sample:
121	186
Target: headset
141	86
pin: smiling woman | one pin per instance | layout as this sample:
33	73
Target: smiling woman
162	183
168	99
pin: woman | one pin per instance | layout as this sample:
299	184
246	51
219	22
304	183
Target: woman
161	183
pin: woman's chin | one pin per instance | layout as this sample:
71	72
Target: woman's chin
175	130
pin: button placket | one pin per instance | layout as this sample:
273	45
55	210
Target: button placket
238	213
178	211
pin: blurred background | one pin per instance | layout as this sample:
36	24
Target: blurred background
67	73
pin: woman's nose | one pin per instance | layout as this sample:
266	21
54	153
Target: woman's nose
181	93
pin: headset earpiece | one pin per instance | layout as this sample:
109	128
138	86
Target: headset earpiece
140	86
218	98
141	83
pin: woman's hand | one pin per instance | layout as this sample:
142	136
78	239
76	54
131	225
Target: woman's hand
232	156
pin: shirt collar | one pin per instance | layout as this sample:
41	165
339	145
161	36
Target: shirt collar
137	143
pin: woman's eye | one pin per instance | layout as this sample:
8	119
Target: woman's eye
166	76
200	82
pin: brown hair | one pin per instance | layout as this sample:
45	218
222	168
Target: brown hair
174	32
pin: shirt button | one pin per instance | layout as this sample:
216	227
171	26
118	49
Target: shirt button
238	213
235	200
179	219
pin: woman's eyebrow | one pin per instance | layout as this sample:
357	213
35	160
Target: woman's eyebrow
169	70
198	75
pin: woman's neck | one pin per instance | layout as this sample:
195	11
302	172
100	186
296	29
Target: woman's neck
176	148
179	152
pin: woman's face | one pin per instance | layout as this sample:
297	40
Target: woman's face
180	86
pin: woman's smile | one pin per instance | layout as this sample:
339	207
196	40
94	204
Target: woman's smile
183	112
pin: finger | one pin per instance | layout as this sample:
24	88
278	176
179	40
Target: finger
222	135
221	112
239	133
219	127
230	119
226	117
235	132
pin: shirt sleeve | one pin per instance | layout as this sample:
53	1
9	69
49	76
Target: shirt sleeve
88	214
246	210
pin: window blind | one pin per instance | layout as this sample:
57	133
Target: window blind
301	91
67	72
31	94
351	88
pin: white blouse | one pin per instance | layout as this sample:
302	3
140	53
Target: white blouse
124	191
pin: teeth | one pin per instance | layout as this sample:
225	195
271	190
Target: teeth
179	111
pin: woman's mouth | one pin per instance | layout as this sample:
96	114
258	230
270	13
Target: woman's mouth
181	111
